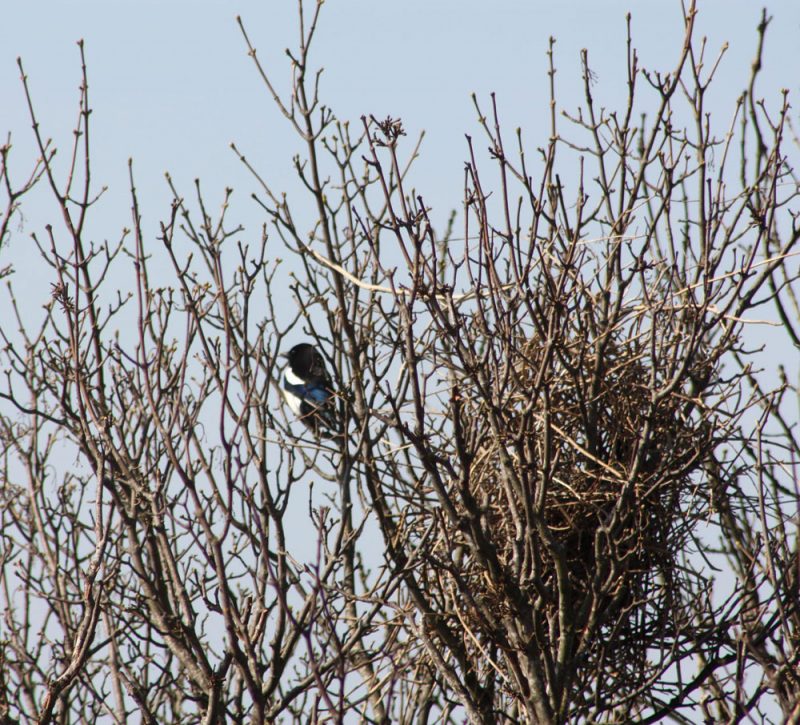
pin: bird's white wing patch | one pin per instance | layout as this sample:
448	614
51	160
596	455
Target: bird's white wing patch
292	400
291	378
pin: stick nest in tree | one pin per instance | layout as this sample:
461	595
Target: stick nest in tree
585	482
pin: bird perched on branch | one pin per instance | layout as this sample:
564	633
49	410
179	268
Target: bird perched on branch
308	390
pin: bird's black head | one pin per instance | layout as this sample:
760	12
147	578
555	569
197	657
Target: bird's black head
301	359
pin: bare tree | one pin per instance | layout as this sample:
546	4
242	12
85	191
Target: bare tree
564	488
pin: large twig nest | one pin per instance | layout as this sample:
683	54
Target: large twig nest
588	467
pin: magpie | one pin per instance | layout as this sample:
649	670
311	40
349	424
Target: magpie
308	390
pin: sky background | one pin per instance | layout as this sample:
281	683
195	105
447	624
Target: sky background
171	86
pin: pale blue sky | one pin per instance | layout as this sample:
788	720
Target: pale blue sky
171	85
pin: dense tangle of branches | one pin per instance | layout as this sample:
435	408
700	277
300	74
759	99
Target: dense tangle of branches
557	433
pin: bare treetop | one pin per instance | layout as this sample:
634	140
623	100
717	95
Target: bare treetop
527	468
